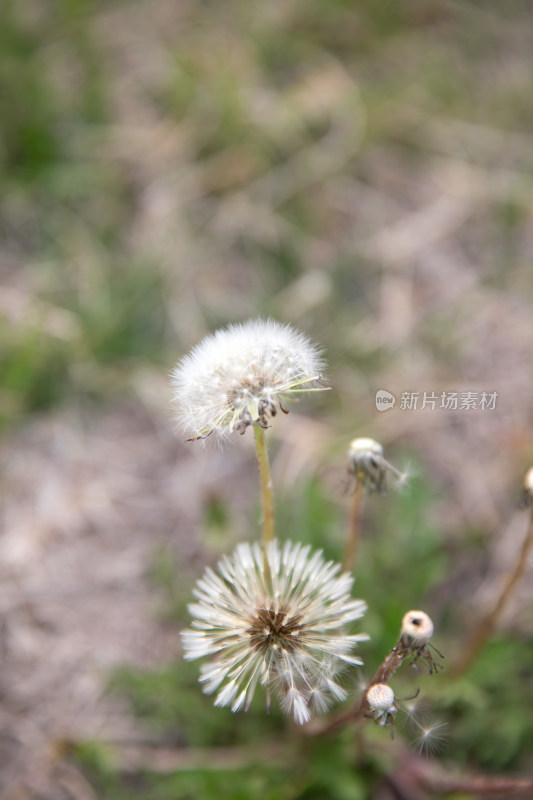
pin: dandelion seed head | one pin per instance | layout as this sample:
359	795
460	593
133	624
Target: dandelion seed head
286	633
239	375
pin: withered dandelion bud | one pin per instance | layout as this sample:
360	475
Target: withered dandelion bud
417	630
380	699
527	489
369	467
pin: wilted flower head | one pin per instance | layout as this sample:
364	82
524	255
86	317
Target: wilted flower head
235	376
368	465
285	632
380	699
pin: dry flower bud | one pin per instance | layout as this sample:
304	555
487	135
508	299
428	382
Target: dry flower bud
527	492
368	466
380	699
417	629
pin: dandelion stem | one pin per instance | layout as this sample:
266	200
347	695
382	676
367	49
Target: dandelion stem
267	498
359	711
488	623
352	545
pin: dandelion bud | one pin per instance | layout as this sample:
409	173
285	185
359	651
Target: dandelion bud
417	629
380	699
368	466
527	491
239	375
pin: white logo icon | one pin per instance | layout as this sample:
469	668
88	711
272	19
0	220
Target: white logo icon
384	400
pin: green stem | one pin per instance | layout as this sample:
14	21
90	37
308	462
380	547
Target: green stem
267	497
354	529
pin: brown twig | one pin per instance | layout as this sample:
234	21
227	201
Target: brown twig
415	774
437	780
487	624
383	674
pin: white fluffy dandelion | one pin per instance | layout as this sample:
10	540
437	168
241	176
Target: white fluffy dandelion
286	633
236	376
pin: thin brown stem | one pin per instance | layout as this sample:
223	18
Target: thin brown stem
437	780
267	497
383	674
487	624
352	545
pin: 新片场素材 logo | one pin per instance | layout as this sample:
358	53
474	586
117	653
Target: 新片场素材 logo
384	400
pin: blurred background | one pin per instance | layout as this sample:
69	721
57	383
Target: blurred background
362	170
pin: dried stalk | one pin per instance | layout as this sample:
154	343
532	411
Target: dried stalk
487	625
360	710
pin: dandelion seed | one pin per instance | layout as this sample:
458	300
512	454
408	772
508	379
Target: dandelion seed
414	707
369	467
239	376
427	735
430	737
287	633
